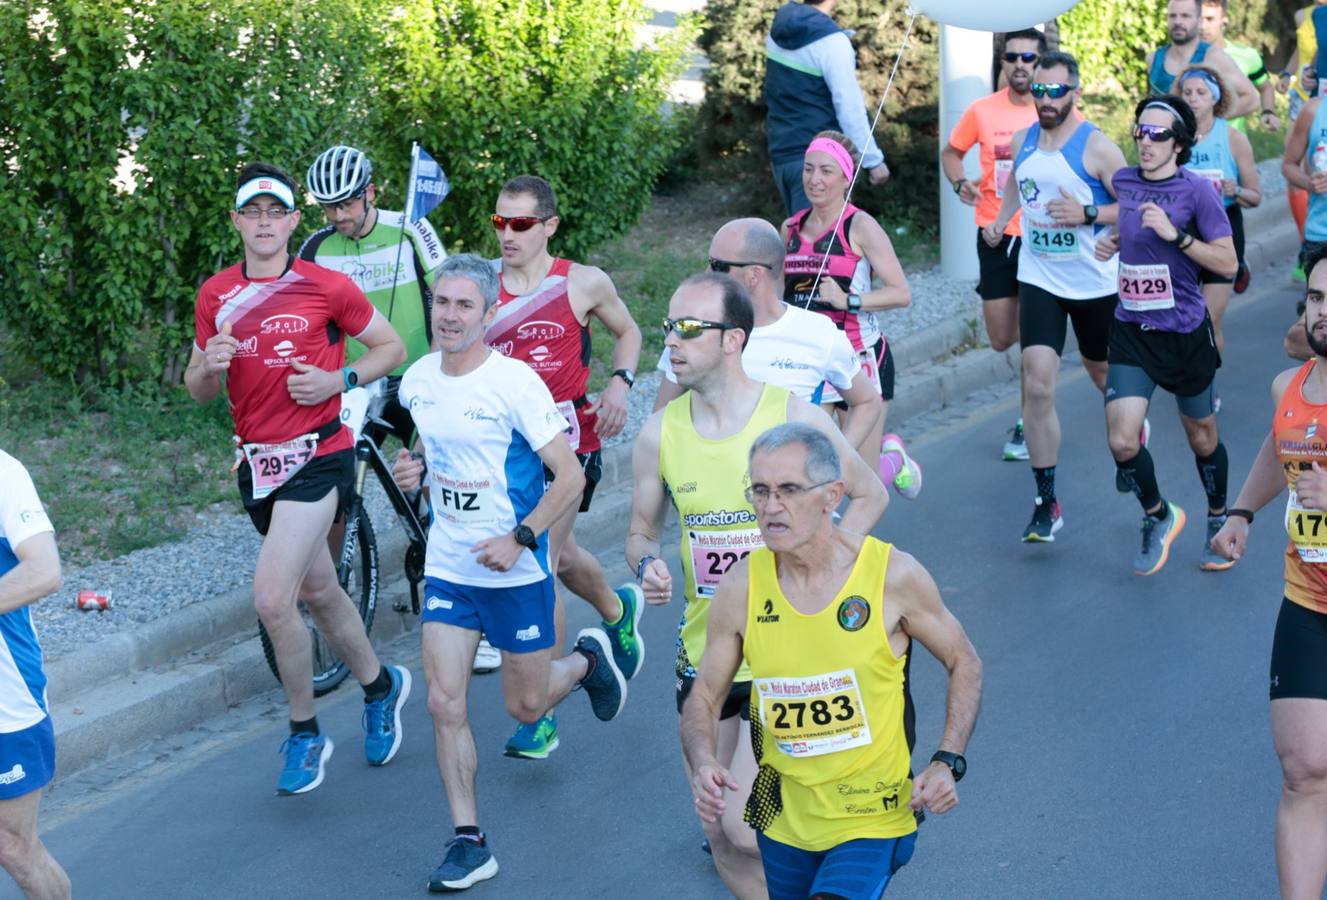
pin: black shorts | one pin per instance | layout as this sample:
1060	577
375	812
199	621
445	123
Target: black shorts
1236	217
737	703
884	356
1182	363
335	471
592	465
998	266
1043	321
1299	653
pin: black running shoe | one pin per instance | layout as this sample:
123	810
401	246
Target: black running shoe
604	683
1046	520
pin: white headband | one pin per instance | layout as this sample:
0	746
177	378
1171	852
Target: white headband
264	184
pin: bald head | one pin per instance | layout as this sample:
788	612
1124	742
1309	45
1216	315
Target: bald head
753	241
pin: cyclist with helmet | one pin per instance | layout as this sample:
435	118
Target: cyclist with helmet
363	242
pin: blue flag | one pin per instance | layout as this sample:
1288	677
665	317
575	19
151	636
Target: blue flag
428	185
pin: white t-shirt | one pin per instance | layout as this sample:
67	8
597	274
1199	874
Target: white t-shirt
798	352
22	681
481	434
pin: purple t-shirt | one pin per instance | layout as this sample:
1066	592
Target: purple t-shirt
1158	282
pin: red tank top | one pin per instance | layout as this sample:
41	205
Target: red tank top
1300	433
802	261
540	329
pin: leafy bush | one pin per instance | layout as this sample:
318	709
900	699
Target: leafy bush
733	115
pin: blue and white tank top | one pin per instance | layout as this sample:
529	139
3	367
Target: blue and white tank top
1213	160
1060	259
22	680
1315	155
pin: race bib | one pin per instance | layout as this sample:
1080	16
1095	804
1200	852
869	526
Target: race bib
1146	288
573	429
713	553
1216	178
272	465
815	715
1003	169
1052	244
1307	529
466	502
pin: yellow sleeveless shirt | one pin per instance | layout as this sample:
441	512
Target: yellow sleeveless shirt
829	711
707	481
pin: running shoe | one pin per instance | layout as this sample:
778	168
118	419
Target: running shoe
535	741
1242	278
487	658
1211	560
1046	520
1144	437
306	758
466	864
382	719
628	645
908	482
1157	538
1016	448
604	684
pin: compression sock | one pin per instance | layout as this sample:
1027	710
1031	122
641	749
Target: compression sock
1045	483
891	464
379	687
1214	471
1141	477
308	726
1299	208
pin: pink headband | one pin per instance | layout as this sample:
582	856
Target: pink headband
836	150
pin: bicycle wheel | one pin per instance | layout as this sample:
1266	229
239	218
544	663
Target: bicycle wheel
357	572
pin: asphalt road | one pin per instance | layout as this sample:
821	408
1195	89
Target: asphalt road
1123	748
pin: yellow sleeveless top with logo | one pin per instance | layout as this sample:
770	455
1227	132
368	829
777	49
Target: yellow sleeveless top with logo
707	481
831	719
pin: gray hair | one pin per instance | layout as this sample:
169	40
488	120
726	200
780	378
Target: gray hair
822	460
475	269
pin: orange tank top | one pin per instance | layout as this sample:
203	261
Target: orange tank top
1300	433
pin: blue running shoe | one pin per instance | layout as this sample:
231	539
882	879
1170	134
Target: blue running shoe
466	864
382	719
628	645
604	684
306	758
535	741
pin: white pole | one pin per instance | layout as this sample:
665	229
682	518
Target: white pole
965	76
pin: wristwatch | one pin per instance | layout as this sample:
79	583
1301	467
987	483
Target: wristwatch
958	185
626	375
854	303
957	764
351	377
525	537
1090	214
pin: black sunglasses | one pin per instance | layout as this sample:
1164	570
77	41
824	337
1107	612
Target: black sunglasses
1027	56
723	265
1155	133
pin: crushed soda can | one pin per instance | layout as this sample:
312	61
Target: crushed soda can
98	600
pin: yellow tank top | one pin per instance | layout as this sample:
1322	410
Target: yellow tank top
1306	39
830	711
707	480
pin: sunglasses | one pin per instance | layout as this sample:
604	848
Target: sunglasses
1027	56
1054	91
517	223
272	212
1154	133
723	265
688	328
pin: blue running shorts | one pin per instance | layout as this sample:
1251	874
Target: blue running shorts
27	759
854	870
516	619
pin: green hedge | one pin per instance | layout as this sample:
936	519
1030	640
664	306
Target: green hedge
100	273
732	121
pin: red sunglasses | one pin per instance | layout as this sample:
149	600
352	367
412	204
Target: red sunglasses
517	223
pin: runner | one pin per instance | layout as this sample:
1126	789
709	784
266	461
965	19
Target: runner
991	123
545	305
1169	231
856	247
29	571
1185	51
269	332
1304	165
369	245
489	428
1293	455
1223	157
694	452
834	801
1212	30
1300	78
1061	168
792	348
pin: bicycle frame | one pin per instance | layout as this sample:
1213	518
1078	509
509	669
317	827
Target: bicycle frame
368	456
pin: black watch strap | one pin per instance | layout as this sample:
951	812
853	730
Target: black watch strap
525	536
957	764
626	375
1246	514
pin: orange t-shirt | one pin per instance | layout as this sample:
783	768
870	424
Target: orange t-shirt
992	122
1298	446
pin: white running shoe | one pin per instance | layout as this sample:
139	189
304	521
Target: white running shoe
487	658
